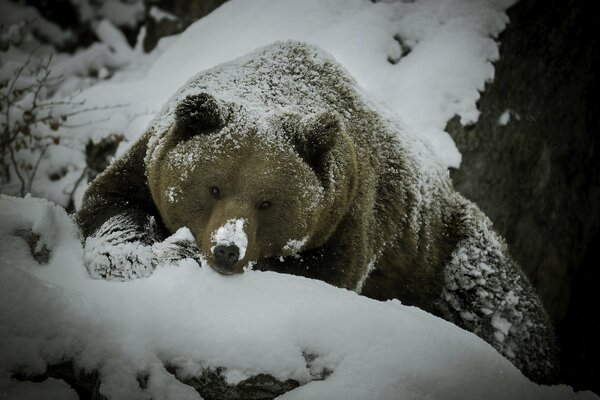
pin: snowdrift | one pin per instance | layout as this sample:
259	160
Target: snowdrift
189	317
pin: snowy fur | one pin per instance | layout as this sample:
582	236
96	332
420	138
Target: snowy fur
486	293
119	251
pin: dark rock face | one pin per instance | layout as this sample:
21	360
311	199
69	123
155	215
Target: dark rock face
537	175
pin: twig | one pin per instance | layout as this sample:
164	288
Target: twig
85	123
71	203
40	83
35	168
98	108
16	167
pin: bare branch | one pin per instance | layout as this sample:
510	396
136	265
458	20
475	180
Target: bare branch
35	168
17	172
98	108
71	202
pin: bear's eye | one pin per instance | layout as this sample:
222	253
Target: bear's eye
215	192
265	205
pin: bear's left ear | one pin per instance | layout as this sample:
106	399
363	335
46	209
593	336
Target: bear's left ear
318	137
199	113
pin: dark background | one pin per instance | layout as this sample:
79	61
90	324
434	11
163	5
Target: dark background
537	177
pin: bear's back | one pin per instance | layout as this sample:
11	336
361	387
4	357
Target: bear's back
290	76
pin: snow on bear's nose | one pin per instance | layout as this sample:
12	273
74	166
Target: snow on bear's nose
230	244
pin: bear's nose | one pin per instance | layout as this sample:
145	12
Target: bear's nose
226	256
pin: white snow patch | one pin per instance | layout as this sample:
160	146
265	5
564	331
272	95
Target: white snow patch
159	14
504	119
295	245
501	324
249	266
171	194
363	278
231	233
235	376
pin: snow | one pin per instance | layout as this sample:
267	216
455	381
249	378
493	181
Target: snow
158	14
501	324
295	245
361	283
118	242
256	322
231	233
504	118
507	116
450	58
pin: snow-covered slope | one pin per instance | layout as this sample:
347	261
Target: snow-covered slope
426	60
194	318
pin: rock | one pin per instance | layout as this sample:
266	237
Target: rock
532	163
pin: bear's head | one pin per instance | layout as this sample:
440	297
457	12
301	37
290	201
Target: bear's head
251	184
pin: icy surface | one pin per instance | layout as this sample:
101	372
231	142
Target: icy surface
232	233
251	323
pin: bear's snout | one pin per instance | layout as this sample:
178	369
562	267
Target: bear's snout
228	245
225	258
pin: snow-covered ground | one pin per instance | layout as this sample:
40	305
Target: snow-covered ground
259	321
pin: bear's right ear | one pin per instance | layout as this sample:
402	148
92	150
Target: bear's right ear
199	113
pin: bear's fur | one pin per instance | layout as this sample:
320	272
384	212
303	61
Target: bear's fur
282	147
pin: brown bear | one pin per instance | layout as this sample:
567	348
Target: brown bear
278	161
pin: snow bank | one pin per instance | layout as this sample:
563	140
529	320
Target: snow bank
255	322
427	60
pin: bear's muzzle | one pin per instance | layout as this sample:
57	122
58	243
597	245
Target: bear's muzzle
226	256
